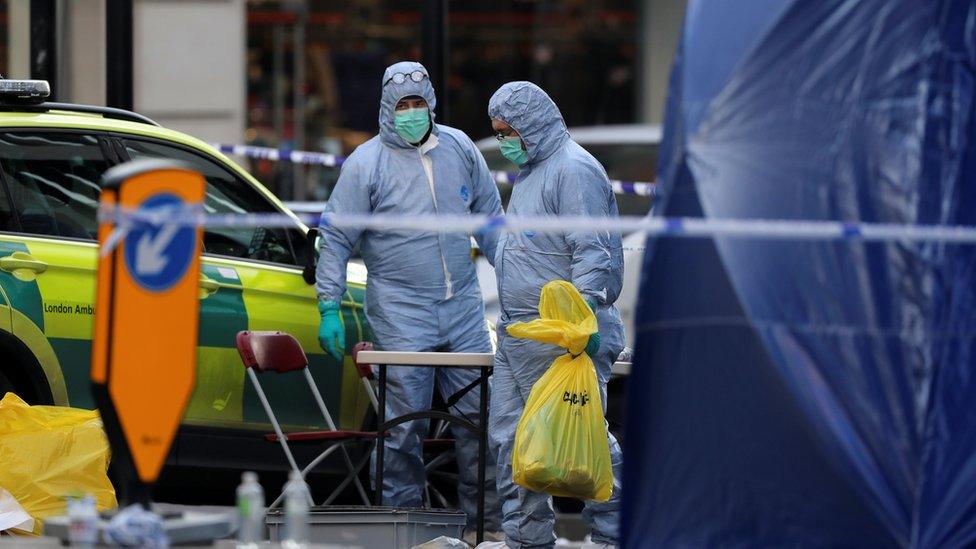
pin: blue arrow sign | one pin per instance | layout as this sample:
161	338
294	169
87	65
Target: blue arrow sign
157	256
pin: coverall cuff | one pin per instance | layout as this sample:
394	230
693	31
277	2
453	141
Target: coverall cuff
326	306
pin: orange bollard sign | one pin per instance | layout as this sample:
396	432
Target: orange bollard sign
146	314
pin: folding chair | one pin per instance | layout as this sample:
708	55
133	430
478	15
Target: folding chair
279	352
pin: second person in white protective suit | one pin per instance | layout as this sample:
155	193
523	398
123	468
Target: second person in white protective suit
557	177
422	292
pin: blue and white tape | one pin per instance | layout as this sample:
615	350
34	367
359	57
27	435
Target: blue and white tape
641	188
286	155
764	229
306	208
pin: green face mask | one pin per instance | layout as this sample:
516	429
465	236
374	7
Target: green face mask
512	149
412	124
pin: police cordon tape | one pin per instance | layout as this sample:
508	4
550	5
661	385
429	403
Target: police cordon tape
686	227
641	188
285	155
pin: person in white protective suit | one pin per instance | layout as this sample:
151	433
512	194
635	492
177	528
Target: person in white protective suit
422	292
557	177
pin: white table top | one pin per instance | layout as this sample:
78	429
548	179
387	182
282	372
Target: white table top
467	360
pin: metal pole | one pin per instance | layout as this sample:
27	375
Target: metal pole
43	43
278	101
433	30
298	89
381	435
118	59
482	452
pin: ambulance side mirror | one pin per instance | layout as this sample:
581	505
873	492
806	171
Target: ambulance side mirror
311	255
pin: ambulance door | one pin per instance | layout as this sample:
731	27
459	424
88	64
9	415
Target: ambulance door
254	282
48	250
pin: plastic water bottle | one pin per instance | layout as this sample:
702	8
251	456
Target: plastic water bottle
250	511
296	512
82	522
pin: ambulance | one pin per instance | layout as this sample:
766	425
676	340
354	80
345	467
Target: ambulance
52	157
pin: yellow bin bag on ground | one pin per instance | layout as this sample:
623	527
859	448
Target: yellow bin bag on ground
48	453
561	445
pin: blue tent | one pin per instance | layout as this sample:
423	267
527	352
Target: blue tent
811	393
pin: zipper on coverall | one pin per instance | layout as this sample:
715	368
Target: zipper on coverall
428	165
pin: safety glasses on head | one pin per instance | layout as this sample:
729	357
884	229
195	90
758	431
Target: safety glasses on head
401	77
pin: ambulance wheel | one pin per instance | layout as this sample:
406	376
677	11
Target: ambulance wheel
20	373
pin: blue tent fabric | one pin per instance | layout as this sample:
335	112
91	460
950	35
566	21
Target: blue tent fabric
811	393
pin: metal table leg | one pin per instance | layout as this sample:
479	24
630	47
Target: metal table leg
381	435
482	452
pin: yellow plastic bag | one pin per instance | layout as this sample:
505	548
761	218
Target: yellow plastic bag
561	445
48	453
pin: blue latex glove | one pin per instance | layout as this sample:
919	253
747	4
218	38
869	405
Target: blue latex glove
593	345
332	337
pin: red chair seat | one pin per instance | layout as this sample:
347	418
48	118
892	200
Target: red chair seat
306	436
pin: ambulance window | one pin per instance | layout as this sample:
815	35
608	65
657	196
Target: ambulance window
229	194
7	220
52	178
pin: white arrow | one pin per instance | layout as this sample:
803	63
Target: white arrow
149	251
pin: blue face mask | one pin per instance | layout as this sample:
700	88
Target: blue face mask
412	124
511	148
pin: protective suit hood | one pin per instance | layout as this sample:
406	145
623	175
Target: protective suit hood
393	92
527	108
